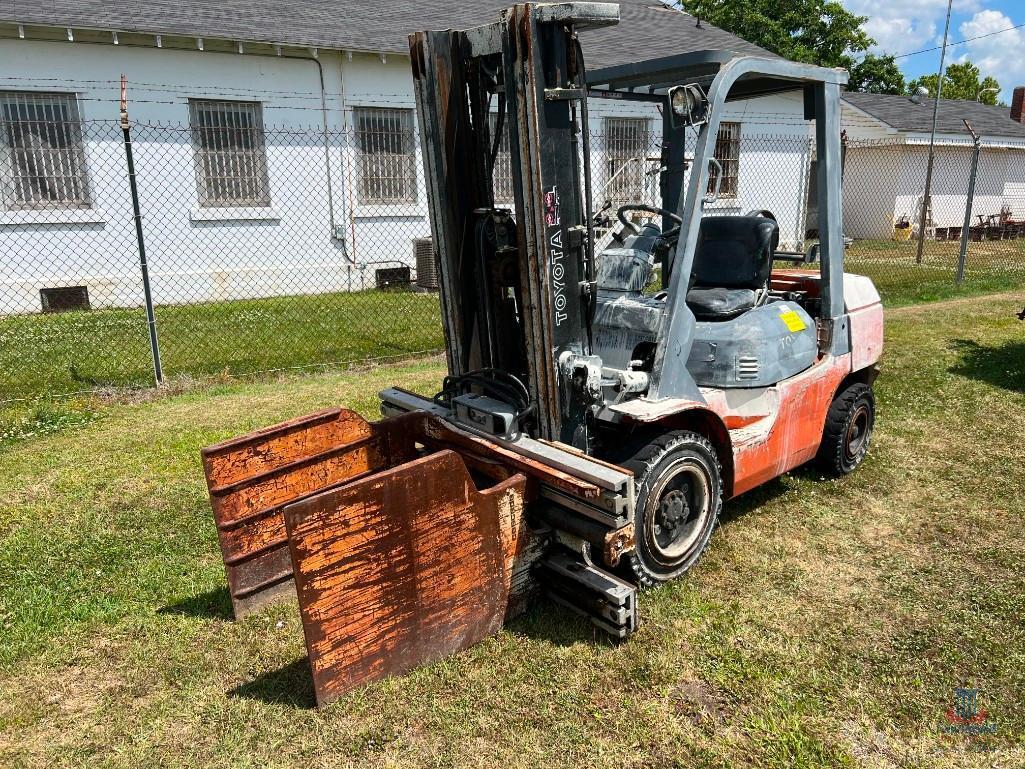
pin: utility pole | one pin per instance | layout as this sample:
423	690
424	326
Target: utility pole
927	198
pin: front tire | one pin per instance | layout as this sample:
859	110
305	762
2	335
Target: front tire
679	498
848	430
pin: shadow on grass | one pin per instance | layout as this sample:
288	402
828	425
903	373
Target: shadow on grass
213	604
1002	366
758	496
290	685
555	624
547	621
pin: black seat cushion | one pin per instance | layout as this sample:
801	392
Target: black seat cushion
720	303
734	252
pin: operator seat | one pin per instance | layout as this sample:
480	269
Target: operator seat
732	261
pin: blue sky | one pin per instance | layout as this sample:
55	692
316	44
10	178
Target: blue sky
904	26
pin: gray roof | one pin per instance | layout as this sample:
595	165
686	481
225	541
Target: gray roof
904	115
647	29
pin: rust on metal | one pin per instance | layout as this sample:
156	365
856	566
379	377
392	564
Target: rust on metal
405	567
617	542
445	434
253	477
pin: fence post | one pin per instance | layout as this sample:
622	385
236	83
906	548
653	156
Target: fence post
969	203
151	320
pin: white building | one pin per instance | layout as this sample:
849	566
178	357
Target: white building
275	147
888	146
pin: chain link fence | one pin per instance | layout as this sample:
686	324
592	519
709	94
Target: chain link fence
272	248
974	219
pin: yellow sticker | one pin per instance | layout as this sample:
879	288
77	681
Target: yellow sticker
793	320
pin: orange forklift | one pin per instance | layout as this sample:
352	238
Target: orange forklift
601	403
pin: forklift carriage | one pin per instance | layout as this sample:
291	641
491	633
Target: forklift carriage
600	404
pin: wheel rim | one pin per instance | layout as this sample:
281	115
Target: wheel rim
858	431
679	508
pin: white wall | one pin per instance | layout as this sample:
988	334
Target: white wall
286	248
885	177
297	245
951	173
870	191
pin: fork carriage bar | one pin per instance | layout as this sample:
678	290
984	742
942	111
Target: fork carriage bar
591	524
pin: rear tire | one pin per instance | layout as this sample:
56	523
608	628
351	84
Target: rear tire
679	498
848	430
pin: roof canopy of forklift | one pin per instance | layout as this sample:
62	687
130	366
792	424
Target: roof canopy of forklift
650	80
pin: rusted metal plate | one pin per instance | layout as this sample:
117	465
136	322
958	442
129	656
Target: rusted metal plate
405	567
253	477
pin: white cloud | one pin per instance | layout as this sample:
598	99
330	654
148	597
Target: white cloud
997	55
902	26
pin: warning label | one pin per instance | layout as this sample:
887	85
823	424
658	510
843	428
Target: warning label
792	320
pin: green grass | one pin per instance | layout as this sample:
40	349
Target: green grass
76	351
827	625
989	266
45	355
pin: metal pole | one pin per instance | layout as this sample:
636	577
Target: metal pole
151	319
969	203
927	198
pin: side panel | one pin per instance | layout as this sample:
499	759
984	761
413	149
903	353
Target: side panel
404	568
789	438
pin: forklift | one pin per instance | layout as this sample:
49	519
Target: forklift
600	404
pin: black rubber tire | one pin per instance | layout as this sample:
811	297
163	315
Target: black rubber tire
657	465
848	430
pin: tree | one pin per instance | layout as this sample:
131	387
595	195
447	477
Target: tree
960	81
876	74
815	31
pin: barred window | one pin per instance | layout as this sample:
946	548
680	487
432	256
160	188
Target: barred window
387	155
231	158
727	152
503	178
42	155
627	142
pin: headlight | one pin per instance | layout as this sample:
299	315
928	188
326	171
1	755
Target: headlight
681	101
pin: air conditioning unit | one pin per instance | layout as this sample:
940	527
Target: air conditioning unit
426	267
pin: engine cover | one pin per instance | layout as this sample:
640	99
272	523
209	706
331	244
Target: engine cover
759	348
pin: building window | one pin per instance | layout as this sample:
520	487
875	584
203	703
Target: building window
387	155
727	152
42	156
503	176
231	159
627	146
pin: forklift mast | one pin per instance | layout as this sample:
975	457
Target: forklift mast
517	288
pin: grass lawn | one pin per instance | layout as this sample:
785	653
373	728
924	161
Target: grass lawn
989	266
76	351
827	625
81	351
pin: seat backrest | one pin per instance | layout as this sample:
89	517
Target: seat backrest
735	251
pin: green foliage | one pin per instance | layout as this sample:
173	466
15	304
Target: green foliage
960	81
876	74
813	31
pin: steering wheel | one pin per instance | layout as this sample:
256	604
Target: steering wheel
621	215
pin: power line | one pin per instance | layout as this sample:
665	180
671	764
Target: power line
958	42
